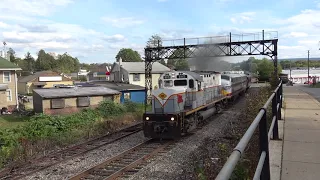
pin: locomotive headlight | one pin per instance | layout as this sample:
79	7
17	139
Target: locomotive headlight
172	119
147	118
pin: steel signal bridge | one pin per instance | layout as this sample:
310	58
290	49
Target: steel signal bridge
262	43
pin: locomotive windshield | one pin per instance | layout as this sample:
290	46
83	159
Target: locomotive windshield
168	83
180	82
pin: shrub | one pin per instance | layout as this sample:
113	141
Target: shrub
110	108
42	131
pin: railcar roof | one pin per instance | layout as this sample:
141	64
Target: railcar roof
196	76
235	75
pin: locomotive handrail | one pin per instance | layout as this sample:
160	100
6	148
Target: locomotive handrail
263	168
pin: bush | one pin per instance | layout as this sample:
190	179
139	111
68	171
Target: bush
109	108
58	130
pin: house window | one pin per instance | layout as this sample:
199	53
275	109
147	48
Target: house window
9	95
57	103
136	77
126	96
83	101
6	76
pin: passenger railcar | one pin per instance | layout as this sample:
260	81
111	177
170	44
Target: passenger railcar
235	84
182	101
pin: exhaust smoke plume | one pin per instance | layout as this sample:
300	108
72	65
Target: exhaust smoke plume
203	61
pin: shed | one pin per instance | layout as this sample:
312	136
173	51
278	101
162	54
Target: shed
70	100
132	92
42	79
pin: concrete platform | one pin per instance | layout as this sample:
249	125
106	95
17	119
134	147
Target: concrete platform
301	141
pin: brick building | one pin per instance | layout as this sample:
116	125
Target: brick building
70	100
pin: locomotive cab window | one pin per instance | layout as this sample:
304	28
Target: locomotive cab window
168	83
180	82
191	83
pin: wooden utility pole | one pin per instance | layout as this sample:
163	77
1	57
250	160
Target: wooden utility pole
308	65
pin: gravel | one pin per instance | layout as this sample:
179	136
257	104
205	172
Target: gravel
178	162
76	165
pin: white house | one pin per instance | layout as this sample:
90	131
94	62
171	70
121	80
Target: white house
134	73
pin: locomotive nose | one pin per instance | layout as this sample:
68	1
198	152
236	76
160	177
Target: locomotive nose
157	128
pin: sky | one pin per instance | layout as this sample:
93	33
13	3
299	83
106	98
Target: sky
95	30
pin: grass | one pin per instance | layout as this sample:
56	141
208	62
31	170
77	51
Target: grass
41	133
11	121
315	86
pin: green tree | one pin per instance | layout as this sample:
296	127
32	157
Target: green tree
44	61
128	55
162	62
12	56
28	63
154	41
266	69
67	64
176	62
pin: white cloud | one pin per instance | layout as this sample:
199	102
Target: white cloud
32	7
244	17
122	22
3	25
296	34
301	32
114	38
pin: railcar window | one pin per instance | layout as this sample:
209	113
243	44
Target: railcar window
168	83
180	82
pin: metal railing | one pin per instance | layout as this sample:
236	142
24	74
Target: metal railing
263	169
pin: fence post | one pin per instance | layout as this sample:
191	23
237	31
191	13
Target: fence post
275	114
264	145
280	95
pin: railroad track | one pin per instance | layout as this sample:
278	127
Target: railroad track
126	163
131	161
67	154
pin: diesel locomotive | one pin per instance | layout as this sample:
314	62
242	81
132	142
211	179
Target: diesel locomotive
185	98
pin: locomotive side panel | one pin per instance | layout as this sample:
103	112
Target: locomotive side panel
182	99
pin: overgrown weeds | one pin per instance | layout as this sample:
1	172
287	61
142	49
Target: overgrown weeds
215	152
43	133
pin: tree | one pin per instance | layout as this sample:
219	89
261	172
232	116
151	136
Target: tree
44	61
182	64
12	54
154	41
128	55
177	63
28	63
265	67
162	62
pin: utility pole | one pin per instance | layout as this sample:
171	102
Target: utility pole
290	70
120	59
4	50
308	65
